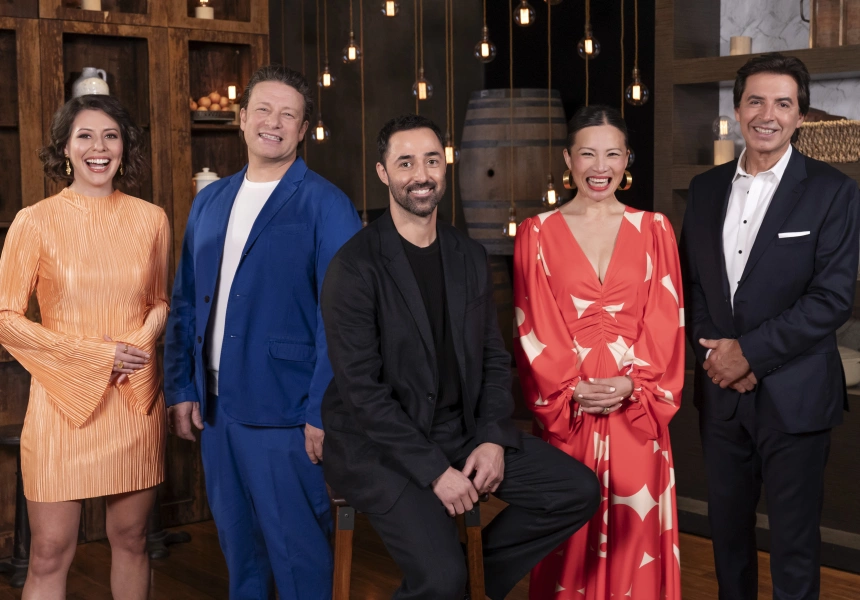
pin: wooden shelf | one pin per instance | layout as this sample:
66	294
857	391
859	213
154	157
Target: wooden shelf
213	127
854	391
823	63
682	174
237	16
152	13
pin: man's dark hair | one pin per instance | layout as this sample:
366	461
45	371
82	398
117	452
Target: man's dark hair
594	116
53	155
404	123
284	75
776	63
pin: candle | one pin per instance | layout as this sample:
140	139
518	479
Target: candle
724	151
91	4
204	11
740	44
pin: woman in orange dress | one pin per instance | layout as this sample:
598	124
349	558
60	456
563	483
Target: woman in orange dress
95	423
600	321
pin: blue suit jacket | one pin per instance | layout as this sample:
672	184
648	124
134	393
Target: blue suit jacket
792	296
274	362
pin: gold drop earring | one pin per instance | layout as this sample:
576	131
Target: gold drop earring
121	171
68	166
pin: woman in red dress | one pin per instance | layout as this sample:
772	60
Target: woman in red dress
600	321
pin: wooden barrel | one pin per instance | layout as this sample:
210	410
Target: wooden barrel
485	159
504	298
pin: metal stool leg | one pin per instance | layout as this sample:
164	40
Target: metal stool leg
344	529
474	552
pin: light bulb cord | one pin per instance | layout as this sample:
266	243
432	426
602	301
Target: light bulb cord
363	119
511	80
587	33
325	30
351	27
623	88
549	85
421	32
319	70
415	19
305	152
636	32
450	70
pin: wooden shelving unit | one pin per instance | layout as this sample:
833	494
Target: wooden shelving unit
688	73
156	55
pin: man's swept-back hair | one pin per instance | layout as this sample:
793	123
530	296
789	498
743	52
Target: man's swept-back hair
404	123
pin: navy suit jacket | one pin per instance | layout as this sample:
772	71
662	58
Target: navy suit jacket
793	295
274	364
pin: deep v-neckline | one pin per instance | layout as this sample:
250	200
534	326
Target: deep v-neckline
596	270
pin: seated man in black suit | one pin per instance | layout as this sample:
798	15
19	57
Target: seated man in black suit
417	419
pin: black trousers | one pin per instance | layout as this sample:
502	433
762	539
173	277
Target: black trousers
550	495
740	455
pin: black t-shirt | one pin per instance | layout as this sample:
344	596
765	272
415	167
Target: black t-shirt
427	267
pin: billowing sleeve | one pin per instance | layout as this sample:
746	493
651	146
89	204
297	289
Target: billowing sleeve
74	371
546	356
141	388
657	363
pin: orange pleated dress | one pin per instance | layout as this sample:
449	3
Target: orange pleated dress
99	267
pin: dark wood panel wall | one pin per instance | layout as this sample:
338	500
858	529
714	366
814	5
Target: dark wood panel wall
389	62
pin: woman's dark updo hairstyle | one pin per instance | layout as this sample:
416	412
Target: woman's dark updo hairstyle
53	155
594	116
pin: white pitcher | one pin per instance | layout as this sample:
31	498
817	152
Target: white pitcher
91	81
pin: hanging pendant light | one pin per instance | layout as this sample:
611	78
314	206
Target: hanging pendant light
452	153
351	53
550	196
326	79
390	8
321	133
510	230
485	50
552	2
524	14
422	89
364	220
637	92
588	47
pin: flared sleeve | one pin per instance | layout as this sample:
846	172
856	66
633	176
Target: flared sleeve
657	363
141	388
546	354
73	370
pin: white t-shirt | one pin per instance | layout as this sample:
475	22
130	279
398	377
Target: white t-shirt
249	202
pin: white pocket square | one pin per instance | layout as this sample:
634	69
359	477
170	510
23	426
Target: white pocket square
791	234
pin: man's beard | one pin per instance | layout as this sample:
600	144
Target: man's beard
423	207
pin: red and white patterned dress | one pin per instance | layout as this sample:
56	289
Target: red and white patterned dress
572	327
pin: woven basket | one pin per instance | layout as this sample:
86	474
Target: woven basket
830	141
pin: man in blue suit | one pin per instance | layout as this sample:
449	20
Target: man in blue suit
245	355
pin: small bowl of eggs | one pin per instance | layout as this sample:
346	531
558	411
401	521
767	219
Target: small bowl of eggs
213	107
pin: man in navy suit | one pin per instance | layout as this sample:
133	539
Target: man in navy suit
245	355
770	246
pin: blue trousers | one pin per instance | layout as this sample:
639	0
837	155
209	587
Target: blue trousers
271	509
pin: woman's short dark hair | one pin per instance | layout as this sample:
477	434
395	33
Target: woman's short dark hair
404	123
595	116
53	155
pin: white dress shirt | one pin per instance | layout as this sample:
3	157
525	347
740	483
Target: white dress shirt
249	202
748	204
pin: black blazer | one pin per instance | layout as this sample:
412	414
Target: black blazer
793	295
379	409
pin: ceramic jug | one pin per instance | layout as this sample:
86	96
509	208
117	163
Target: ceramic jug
204	178
91	81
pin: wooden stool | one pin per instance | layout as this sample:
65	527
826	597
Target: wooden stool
10	435
468	523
